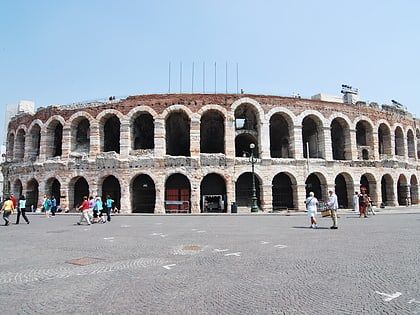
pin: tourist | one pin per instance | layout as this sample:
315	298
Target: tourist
7	209
84	207
312	206
47	206
21	210
332	204
356	202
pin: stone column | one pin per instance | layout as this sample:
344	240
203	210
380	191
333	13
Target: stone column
95	141
66	142
327	144
264	139
125	137
297	141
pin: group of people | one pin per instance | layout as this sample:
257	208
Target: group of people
10	205
49	206
331	204
363	203
94	210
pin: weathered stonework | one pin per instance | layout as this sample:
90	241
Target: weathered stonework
191	152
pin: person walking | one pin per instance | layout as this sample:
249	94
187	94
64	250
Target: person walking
47	206
84	207
53	206
98	208
332	204
21	210
356	202
109	203
13	199
7	209
363	199
312	207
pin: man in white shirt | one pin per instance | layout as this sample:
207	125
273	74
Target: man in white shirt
332	204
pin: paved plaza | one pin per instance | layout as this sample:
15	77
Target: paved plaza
213	264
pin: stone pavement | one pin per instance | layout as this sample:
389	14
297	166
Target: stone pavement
213	264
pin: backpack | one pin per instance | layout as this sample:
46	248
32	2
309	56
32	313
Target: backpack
362	199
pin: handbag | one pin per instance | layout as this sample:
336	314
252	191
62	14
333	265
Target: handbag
326	213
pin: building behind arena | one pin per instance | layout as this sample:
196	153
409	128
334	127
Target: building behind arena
191	152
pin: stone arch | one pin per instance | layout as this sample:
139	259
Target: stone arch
414	189
247	122
10	152
212	132
53	188
142	131
399	141
313	137
177	129
340	139
243	190
32	193
243	143
316	183
343	184
34	141
78	187
17	188
213	196
403	191
411	144
281	131
364	139
143	192
418	142
19	149
80	125
111	187
384	140
54	137
387	190
177	193
283	191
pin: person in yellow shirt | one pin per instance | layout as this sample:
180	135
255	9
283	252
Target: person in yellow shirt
7	210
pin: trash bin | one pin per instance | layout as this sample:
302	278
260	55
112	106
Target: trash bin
234	208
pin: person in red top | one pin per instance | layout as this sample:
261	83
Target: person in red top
84	207
12	197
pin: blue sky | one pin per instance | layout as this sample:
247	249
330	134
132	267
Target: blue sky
60	52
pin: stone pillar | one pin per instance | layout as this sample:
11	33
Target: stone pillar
95	141
195	137
353	145
264	139
267	197
66	142
160	138
195	194
125	137
160	195
297	141
327	144
375	146
300	196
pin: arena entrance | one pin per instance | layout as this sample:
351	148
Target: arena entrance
177	194
111	186
243	191
213	194
282	192
143	194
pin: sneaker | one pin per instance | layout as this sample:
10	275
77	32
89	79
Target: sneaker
333	228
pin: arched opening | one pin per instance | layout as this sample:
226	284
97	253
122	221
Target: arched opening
313	138
213	194
32	193
143	132
178	134
387	190
313	184
384	137
10	147
340	139
34	142
20	145
280	143
282	192
242	145
341	191
81	136
177	194
144	194
403	191
212	133
111	187
243	190
81	189
112	134
410	144
414	190
399	141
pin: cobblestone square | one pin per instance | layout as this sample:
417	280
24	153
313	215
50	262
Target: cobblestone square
212	264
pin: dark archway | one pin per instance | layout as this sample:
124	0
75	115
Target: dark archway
112	134
144	194
32	193
280	137
282	192
111	186
177	194
312	137
313	184
213	194
212	133
178	134
341	191
81	188
243	190
143	132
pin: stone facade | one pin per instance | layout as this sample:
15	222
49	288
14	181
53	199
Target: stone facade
191	153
